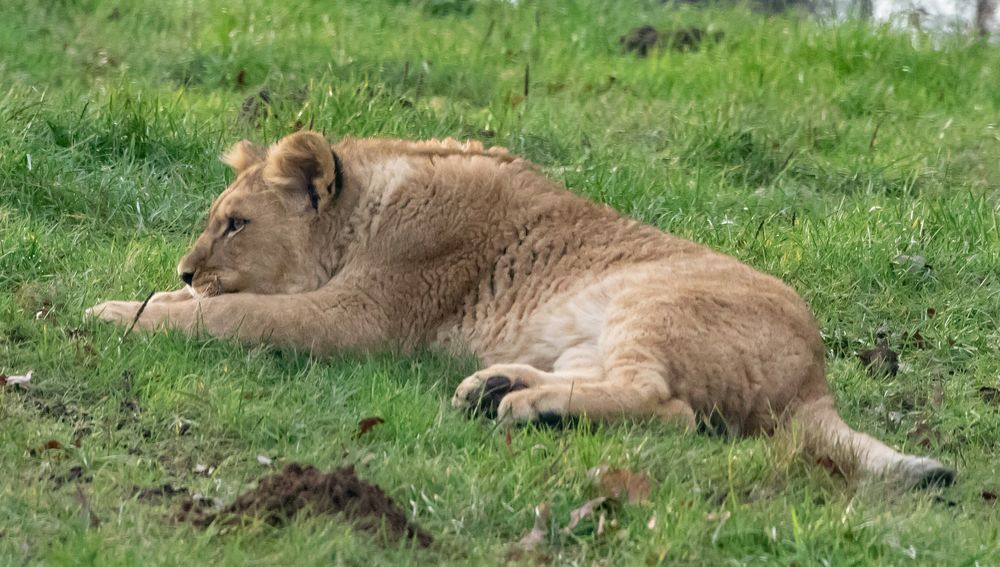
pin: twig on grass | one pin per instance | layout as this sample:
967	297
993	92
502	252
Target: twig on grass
136	318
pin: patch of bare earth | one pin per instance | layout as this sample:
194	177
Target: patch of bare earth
304	489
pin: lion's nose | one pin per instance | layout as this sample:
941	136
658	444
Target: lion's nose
188	277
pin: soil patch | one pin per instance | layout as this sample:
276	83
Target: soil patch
643	39
305	489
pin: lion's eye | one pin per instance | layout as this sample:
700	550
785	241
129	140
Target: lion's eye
235	225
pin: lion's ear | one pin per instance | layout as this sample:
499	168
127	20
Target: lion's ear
303	162
243	154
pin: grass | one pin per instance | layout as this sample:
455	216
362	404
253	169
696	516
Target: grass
818	154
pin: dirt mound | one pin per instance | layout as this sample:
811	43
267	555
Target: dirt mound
298	488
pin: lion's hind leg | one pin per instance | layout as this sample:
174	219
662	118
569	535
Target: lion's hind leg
484	390
599	401
523	394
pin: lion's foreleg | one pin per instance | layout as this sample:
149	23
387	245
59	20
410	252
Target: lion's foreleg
320	322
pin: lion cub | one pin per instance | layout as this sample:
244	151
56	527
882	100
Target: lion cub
572	309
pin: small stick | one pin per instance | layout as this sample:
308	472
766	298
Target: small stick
871	144
527	77
137	315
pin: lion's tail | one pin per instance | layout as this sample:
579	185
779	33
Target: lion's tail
827	436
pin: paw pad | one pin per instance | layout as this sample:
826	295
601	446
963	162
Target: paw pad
487	399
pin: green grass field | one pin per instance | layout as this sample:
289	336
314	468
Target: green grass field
819	154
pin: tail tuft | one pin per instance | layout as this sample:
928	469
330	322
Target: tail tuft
826	435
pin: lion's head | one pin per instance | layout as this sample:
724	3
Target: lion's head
263	233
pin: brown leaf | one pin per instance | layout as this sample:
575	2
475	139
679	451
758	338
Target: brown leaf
241	78
880	361
989	496
922	434
52	444
538	530
990	395
366	425
622	485
582	512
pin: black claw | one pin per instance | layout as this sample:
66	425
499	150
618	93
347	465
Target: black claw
487	400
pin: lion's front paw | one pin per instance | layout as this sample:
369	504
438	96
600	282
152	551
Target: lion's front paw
535	406
179	314
483	392
122	312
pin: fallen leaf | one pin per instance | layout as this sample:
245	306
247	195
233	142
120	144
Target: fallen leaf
922	434
264	460
622	485
582	512
917	340
16	380
203	469
718	516
538	531
989	496
53	444
366	425
880	361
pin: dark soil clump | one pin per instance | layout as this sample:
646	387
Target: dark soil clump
645	38
158	492
279	497
640	40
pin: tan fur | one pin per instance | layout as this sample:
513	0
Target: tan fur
584	311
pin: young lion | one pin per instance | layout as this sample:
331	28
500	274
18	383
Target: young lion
573	309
